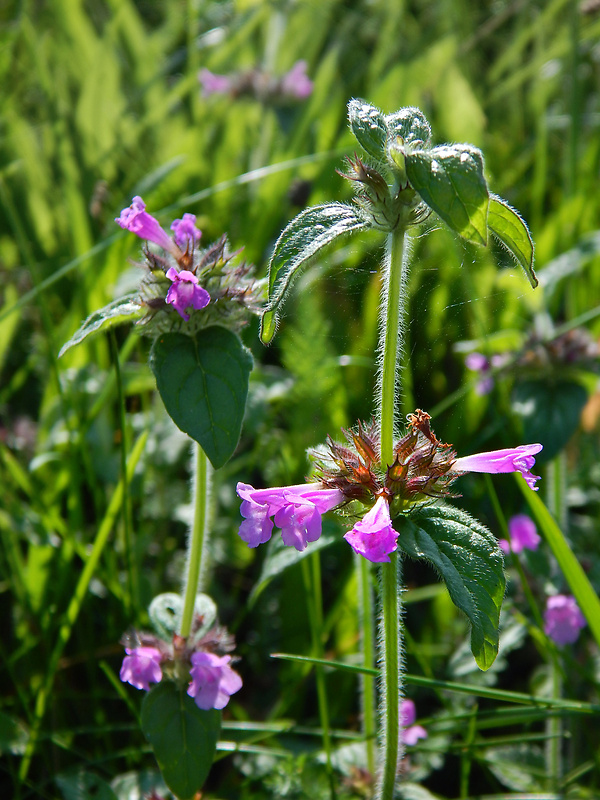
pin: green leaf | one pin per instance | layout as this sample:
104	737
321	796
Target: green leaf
550	412
410	124
300	241
508	226
467	556
203	382
579	583
450	180
125	309
369	127
183	737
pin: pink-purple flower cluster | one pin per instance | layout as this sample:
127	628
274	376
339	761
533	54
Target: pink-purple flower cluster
297	510
523	535
293	85
212	683
563	619
410	733
483	365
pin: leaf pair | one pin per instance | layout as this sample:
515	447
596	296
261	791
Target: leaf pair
448	179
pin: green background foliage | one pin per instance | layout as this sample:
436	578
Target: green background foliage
101	102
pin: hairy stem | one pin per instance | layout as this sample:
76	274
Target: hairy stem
395	277
198	540
394	292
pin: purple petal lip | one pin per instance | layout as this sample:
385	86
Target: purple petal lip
374	536
511	459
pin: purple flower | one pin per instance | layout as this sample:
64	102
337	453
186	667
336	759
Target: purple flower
563	619
185	231
213	680
296	82
411	733
523	535
296	510
512	459
185	292
373	536
213	84
137	220
141	667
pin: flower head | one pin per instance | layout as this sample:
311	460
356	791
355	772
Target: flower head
185	231
137	220
511	459
141	667
213	680
296	82
297	510
214	84
185	292
563	619
374	536
410	733
523	535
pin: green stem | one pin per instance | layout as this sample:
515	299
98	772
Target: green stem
197	544
394	291
390	660
365	601
395	277
311	572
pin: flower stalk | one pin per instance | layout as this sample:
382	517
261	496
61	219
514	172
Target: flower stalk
390	348
198	540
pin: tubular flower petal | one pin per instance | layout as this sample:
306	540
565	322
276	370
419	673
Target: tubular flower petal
563	619
185	231
185	292
141	667
137	220
297	510
411	733
213	680
512	459
373	536
523	535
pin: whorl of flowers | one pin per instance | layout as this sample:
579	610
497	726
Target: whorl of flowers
185	287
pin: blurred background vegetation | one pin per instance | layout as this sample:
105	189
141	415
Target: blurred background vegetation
100	102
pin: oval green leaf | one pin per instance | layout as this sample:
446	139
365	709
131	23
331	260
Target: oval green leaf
468	558
450	181
125	309
368	125
549	411
508	226
302	239
183	737
203	382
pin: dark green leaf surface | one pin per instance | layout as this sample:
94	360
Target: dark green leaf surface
183	737
450	180
368	125
467	556
125	309
203	382
550	412
508	226
308	233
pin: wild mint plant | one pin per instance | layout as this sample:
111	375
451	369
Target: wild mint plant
192	302
392	483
